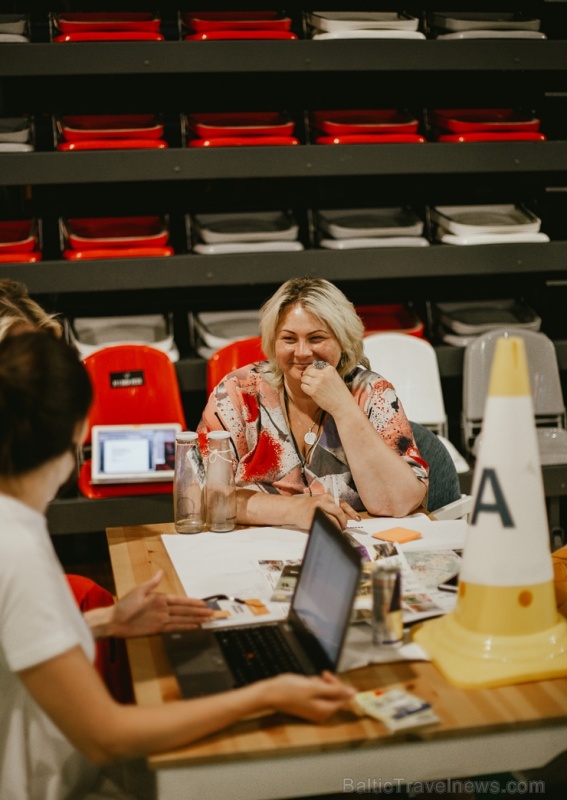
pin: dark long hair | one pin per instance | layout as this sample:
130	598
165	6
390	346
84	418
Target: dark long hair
45	392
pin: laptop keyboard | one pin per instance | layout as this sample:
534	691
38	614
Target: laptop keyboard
256	653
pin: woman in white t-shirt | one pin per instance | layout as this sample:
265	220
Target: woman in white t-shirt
59	725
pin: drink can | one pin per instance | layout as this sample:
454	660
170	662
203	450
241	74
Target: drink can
387	618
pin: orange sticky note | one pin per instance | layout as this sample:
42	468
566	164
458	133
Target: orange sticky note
219	614
257	607
399	535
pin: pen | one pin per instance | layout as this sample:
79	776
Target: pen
335	490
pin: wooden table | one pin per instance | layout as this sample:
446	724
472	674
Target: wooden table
482	731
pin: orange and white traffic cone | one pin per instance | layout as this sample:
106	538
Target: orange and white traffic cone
505	627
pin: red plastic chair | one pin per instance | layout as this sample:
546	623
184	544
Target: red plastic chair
133	384
395	317
111	658
231	356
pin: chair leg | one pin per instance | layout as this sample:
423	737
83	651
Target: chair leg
556	531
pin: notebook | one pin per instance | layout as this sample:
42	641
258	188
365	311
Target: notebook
208	661
133	453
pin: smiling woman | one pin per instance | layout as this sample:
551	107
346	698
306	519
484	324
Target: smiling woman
312	424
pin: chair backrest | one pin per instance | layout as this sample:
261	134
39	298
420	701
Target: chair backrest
230	357
549	406
444	486
133	383
411	365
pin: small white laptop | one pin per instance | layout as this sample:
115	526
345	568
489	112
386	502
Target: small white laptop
133	453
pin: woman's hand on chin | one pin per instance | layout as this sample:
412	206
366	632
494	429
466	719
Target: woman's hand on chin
326	388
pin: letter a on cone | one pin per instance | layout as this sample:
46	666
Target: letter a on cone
505	627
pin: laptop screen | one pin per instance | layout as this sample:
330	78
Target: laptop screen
327	584
133	453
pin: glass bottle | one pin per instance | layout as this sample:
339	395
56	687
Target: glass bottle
221	491
188	484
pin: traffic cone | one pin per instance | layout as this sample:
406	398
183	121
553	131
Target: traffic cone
505	627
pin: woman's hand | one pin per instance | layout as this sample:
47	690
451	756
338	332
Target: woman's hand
326	388
261	508
313	698
302	508
386	483
143	612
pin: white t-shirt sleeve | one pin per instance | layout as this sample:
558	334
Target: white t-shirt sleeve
39	617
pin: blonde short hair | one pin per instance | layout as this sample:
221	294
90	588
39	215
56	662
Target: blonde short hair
18	312
329	305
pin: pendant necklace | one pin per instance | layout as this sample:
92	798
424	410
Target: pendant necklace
310	437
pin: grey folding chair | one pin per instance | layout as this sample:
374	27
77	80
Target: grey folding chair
549	405
444	499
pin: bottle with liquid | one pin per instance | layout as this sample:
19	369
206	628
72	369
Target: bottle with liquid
188	484
220	491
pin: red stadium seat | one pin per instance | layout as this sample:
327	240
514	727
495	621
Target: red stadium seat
133	384
233	355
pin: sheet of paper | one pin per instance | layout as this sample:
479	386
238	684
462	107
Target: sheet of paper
421	573
238	564
359	651
435	534
249	564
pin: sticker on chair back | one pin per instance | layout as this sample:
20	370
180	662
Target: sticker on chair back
119	380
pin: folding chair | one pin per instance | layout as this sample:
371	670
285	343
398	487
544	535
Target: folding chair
232	356
444	498
549	405
411	365
547	395
133	384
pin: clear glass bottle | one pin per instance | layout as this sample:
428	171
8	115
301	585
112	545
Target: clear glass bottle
188	484
221	491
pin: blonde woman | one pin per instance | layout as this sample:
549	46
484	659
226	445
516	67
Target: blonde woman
313	426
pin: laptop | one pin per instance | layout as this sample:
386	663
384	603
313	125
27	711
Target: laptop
133	453
310	640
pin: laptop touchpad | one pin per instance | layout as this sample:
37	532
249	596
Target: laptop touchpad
199	664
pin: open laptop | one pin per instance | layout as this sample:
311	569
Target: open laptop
133	453
207	661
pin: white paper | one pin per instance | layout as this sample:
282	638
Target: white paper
421	573
359	651
435	534
234	564
228	563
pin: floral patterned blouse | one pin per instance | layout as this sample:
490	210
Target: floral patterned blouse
266	456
